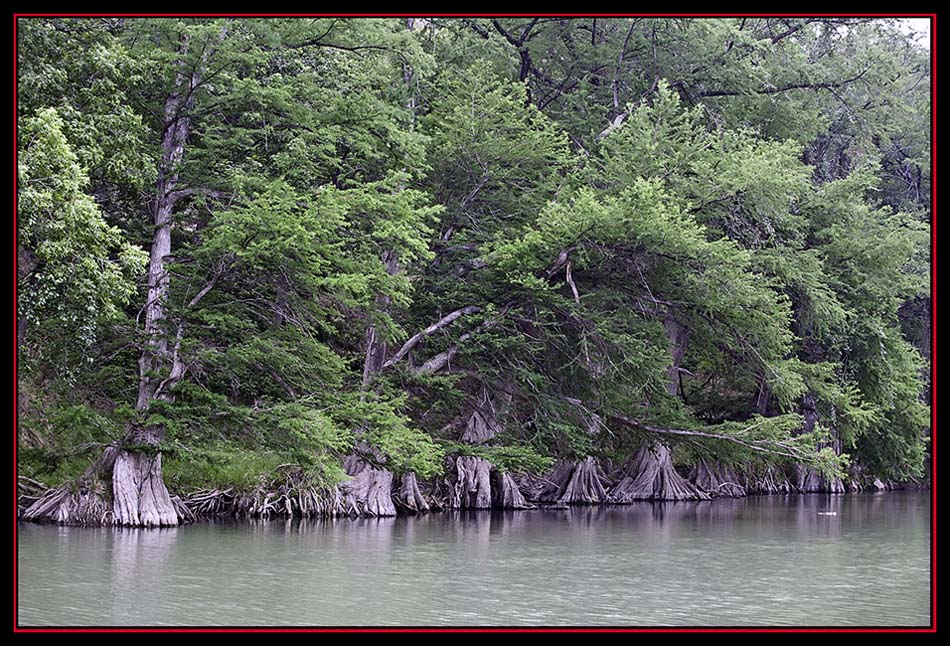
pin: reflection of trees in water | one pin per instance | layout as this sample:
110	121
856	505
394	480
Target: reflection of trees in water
139	568
369	541
652	519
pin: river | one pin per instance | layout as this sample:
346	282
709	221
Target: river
757	561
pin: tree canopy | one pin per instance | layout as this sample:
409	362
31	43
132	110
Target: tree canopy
523	242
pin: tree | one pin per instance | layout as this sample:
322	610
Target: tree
394	263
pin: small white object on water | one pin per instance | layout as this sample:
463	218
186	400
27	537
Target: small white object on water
827	513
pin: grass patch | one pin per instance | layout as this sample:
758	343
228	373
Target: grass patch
219	466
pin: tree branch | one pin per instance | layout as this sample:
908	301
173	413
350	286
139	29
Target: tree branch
413	341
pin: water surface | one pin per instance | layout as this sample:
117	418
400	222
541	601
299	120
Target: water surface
771	560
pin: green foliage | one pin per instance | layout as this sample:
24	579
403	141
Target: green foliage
714	226
75	270
382	426
58	436
514	459
223	465
496	159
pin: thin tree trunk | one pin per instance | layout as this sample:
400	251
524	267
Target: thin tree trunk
376	346
678	336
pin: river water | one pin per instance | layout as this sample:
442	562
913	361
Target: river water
758	561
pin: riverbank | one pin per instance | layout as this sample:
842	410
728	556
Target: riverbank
471	484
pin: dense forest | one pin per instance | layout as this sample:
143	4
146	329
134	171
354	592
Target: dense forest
324	266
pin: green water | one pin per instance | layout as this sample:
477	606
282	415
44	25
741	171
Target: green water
770	560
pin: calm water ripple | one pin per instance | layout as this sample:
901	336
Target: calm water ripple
755	561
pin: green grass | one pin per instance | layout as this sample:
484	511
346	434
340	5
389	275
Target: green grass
219	466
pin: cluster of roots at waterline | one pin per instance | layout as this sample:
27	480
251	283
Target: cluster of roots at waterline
650	476
716	479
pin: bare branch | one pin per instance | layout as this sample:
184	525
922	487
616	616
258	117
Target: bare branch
413	341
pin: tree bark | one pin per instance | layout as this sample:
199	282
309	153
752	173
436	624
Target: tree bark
810	481
369	492
483	423
140	498
409	497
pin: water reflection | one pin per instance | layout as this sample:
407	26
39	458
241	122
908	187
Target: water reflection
774	560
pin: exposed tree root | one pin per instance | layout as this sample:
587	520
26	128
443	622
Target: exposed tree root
651	476
65	506
767	480
293	496
28	492
212	502
716	479
531	485
575	483
185	514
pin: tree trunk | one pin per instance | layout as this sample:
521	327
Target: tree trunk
505	493
678	336
469	482
651	476
486	412
481	426
369	492
810	481
716	479
408	496
139	493
139	496
576	483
